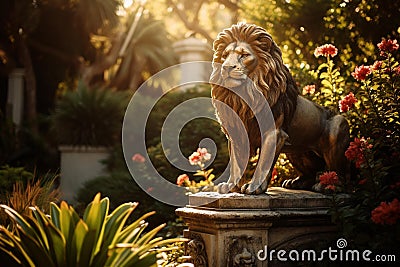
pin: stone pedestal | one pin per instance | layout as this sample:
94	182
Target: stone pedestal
236	230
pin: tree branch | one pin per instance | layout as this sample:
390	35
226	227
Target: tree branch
190	25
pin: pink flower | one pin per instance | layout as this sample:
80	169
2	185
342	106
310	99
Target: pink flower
347	102
360	73
387	46
386	213
329	179
357	149
200	156
182	179
326	50
195	158
309	89
138	158
204	153
150	189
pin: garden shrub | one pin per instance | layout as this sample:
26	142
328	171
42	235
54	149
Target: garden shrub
370	219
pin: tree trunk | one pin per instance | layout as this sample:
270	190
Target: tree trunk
30	80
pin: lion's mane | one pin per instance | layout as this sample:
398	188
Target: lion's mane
271	77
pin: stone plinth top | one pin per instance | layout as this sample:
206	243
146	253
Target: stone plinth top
275	198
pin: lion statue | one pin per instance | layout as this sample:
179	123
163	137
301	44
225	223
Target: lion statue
247	62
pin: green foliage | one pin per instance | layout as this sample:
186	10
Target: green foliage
332	85
89	116
11	175
354	27
99	238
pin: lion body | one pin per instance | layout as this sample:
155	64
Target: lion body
248	73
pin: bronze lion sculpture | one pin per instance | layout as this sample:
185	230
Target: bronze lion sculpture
314	138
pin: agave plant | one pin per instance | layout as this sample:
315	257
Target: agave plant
63	238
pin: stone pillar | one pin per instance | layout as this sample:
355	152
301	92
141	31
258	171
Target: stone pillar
231	229
15	98
79	165
192	50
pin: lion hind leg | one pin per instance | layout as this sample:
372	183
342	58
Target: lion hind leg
336	143
308	164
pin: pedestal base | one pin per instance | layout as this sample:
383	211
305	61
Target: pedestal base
241	230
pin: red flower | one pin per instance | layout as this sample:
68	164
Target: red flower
347	102
138	158
361	72
274	175
182	179
377	65
325	50
331	187
386	213
363	181
356	150
388	46
309	89
329	178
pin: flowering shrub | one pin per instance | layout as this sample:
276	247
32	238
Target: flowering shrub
369	98
332	84
199	158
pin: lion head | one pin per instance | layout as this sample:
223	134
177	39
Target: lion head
246	58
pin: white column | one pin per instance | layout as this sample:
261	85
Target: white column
15	98
191	50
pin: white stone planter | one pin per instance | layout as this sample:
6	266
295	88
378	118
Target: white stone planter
78	165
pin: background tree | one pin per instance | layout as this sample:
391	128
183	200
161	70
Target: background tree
353	26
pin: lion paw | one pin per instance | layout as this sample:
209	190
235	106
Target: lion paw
298	183
224	188
253	189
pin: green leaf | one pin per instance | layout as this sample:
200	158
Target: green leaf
80	232
323	65
37	253
57	244
55	214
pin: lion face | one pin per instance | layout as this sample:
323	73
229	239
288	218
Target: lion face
238	61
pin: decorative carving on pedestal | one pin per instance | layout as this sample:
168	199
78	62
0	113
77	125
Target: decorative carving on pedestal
240	252
196	249
244	259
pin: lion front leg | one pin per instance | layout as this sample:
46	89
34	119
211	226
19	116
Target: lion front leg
238	162
262	175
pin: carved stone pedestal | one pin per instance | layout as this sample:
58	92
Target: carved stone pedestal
232	229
